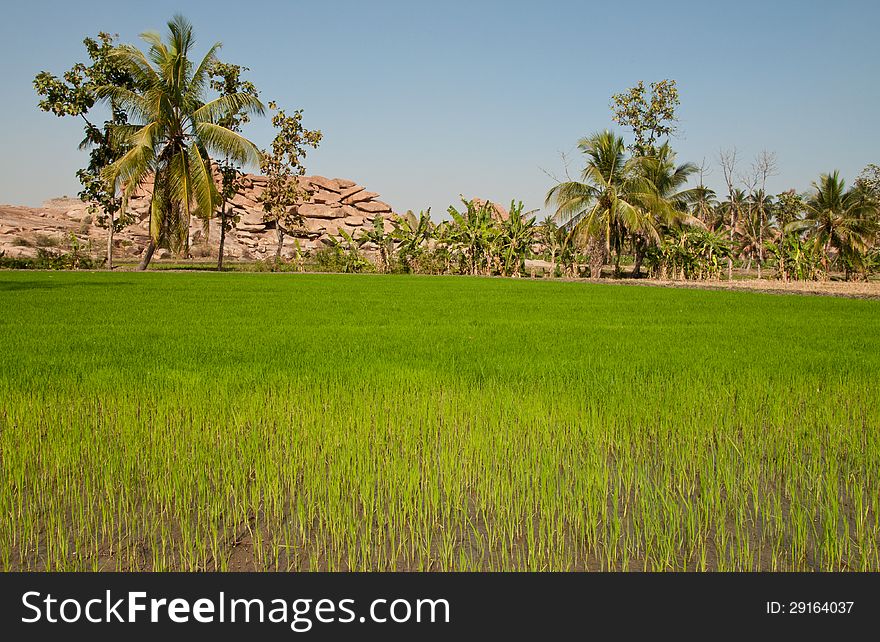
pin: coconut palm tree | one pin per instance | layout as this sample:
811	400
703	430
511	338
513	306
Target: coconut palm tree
672	202
171	132
613	199
837	220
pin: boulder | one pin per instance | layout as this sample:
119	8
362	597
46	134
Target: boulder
317	210
348	192
250	228
373	207
354	221
344	183
313	225
322	197
250	217
244	201
359	197
324	183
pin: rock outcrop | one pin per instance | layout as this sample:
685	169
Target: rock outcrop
334	205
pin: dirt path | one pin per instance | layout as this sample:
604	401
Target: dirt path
870	290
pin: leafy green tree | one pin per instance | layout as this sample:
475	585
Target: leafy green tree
175	131
649	113
282	165
787	208
837	220
75	93
226	81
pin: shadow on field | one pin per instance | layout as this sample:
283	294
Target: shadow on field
12	286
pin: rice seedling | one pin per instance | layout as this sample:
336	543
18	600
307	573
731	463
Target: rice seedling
343	422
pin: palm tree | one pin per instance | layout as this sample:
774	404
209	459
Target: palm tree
176	131
837	219
613	199
672	202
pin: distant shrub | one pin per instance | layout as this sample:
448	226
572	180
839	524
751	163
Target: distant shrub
44	240
20	241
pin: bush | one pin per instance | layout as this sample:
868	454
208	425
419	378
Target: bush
44	240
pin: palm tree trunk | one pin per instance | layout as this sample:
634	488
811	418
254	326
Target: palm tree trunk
110	243
222	236
596	251
760	240
639	255
148	255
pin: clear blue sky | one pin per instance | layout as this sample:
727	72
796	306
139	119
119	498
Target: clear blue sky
421	101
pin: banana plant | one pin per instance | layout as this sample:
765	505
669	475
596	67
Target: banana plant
412	235
516	238
383	240
472	234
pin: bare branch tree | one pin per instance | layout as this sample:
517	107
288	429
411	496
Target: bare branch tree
764	167
727	160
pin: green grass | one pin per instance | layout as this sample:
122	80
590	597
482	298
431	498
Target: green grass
278	421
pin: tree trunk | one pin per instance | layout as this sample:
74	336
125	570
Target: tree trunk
638	256
782	257
760	241
110	243
279	232
148	255
596	250
222	237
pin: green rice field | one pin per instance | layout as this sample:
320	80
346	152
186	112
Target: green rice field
198	421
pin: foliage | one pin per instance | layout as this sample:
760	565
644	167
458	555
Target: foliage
515	239
649	113
689	254
797	260
282	165
839	223
175	131
75	255
412	234
75	93
616	198
342	255
470	235
384	241
226	80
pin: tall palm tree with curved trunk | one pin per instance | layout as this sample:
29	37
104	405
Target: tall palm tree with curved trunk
172	131
613	199
837	219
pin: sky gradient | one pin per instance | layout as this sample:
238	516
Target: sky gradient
423	101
